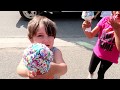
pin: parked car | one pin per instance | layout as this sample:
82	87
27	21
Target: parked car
28	15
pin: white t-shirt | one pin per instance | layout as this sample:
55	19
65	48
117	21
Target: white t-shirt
106	13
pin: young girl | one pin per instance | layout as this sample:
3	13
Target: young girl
107	49
43	30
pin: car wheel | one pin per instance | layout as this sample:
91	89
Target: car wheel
28	15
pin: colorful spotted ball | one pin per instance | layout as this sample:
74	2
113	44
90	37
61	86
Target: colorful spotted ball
37	58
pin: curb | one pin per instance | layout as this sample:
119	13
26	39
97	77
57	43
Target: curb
24	42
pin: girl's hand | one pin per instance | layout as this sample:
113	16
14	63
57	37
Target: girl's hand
48	75
86	24
34	75
43	76
114	23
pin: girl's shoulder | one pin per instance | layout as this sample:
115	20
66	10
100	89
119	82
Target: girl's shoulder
104	20
54	49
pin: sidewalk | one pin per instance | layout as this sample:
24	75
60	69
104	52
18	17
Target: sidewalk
72	49
76	53
24	42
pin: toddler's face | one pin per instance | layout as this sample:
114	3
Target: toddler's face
42	37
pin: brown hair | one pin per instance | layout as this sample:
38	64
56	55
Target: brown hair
50	26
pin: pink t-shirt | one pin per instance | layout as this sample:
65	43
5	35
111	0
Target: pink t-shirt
105	47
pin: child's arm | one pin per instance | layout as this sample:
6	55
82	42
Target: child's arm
116	28
93	32
58	67
117	38
22	70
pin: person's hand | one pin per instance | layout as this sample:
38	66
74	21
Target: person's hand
114	23
43	76
32	74
48	75
86	24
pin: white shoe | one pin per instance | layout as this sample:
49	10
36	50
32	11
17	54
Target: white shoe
90	76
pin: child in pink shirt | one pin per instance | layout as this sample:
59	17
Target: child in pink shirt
107	47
